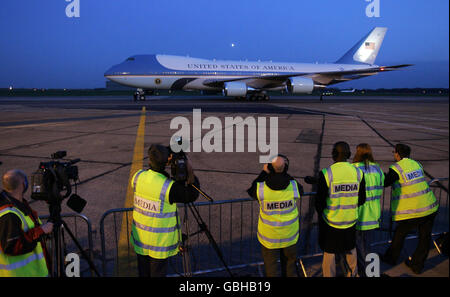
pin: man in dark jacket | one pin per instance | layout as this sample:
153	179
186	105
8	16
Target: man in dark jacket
336	241
18	243
179	192
278	225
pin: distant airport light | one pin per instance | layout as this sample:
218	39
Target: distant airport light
10	88
233	45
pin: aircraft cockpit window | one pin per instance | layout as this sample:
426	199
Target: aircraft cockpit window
130	59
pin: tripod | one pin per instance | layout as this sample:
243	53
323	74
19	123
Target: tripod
58	258
203	228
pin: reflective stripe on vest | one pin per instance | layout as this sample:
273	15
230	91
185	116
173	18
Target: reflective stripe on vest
278	225
155	227
343	181
369	213
28	265
411	195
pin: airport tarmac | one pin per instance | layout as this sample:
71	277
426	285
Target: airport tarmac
102	131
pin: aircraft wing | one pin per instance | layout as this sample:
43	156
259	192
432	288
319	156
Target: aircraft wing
323	78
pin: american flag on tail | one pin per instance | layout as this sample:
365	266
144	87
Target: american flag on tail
369	45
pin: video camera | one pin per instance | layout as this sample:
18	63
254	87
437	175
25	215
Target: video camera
178	162
52	178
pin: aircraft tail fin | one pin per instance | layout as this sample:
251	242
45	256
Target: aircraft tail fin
366	50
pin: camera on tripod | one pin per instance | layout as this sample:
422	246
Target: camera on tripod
178	162
54	177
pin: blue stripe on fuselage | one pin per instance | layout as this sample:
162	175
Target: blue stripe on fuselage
149	65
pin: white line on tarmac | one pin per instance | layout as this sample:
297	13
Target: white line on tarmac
390	114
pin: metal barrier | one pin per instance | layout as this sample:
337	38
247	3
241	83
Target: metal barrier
74	227
233	225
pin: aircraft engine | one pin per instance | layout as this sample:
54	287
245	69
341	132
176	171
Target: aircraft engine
299	85
235	89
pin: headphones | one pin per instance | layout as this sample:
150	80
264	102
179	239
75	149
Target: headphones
25	184
286	164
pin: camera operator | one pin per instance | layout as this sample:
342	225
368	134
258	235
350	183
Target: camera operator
278	225
155	230
22	253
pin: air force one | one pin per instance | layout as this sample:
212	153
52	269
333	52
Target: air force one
245	79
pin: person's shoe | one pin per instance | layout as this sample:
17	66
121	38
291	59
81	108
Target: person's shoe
414	269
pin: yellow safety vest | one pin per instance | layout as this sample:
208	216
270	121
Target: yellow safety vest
369	213
343	181
155	228
31	264
278	225
411	195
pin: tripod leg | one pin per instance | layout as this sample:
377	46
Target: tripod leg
185	247
57	254
213	243
437	247
83	253
300	262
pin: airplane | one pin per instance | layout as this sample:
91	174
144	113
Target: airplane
246	79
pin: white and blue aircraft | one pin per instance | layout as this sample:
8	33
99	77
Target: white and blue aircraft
245	79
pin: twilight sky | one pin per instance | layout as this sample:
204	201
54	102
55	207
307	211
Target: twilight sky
41	47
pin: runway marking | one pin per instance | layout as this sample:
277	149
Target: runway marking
410	125
35	125
125	265
390	114
29	123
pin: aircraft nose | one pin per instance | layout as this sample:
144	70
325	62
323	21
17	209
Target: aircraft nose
111	71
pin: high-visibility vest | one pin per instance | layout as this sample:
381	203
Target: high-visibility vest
369	213
278	225
343	181
411	195
27	265
155	228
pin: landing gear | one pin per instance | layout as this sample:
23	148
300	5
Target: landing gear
139	95
258	97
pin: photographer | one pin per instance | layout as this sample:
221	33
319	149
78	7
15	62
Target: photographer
278	225
22	254
155	229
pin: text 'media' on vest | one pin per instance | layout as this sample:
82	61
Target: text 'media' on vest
414	175
278	205
345	188
148	205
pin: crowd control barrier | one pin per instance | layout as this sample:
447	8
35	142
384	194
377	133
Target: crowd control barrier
233	225
81	228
